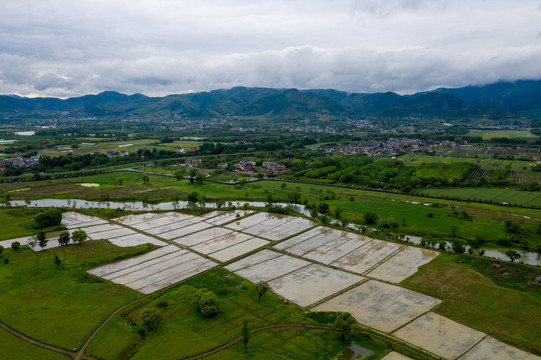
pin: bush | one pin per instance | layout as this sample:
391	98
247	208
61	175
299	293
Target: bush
48	218
430	215
370	218
15	245
206	301
151	317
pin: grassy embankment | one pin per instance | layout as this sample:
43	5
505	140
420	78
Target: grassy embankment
503	301
60	306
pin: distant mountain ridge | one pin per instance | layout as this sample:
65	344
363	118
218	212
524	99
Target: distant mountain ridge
521	98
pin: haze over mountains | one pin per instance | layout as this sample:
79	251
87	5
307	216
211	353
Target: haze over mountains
502	99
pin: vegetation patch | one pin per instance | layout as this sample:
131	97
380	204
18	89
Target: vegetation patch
61	305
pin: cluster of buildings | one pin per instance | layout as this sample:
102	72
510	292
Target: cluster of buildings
19	162
112	153
270	166
384	147
313	128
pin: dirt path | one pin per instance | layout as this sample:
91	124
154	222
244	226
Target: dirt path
14	332
81	353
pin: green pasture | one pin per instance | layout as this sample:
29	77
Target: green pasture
11	347
509	196
62	305
513	134
473	299
18	223
483	162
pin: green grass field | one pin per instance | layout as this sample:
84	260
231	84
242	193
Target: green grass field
483	162
513	134
509	313
60	306
185	332
509	196
18	223
11	347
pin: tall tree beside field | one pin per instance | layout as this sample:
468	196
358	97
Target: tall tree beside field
41	237
151	317
64	238
262	287
245	335
344	322
79	236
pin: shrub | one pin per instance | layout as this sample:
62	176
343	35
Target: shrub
206	301
48	218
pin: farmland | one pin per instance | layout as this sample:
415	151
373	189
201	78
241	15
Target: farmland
292	254
500	195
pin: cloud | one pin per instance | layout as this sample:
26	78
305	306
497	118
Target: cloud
67	48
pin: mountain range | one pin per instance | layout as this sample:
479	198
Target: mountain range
496	101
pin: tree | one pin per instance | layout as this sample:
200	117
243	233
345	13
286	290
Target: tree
64	238
245	335
145	179
57	261
262	287
179	175
33	242
207	302
512	255
458	247
199	178
283	185
370	218
6	261
323	207
192	174
79	236
48	218
150	317
344	323
193	197
119	181
15	245
41	237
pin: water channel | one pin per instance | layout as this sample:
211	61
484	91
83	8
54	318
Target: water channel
527	257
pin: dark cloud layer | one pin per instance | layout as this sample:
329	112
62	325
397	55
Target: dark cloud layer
68	48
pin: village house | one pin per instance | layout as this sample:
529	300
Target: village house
245	165
191	162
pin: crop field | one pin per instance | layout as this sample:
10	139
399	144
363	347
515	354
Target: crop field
513	134
381	306
439	335
491	348
508	196
271	226
173	271
155	270
486	163
481	297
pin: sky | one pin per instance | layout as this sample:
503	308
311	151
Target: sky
66	48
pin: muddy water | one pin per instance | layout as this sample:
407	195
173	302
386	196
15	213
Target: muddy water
354	351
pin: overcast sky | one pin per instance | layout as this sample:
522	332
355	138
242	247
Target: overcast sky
66	48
